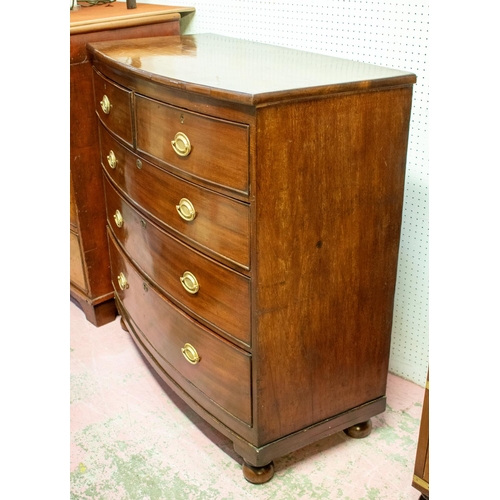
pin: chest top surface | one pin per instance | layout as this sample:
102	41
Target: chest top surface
241	70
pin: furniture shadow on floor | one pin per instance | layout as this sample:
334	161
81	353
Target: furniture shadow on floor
310	452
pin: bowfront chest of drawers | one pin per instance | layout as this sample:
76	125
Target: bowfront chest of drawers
254	198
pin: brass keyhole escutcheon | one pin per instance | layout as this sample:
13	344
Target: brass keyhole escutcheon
190	353
118	218
112	161
190	283
105	104
186	209
122	281
181	144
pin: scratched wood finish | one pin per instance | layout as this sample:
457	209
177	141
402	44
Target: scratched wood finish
327	141
223	300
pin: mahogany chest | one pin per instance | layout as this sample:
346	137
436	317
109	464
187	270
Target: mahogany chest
254	197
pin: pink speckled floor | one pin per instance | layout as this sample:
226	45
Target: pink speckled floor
133	438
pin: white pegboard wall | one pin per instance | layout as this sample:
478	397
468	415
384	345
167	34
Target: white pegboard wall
388	33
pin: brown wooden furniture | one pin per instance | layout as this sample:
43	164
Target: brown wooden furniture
90	279
254	197
421	471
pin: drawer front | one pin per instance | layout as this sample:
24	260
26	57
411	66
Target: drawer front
114	106
218	296
222	372
205	147
221	225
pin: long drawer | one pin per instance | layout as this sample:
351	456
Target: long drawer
214	366
217	295
208	148
210	221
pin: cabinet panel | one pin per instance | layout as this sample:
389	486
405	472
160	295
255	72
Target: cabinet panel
77	273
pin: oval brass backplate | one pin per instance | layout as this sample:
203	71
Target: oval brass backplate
186	210
122	281
181	144
118	218
105	104
190	283
191	354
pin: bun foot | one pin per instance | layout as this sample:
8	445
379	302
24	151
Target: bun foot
360	430
123	325
258	475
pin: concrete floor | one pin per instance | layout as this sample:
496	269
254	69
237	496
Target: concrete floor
132	438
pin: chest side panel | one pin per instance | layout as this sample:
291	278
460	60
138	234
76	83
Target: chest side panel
329	193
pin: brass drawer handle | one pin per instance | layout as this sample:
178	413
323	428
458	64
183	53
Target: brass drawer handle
105	104
190	283
186	209
111	159
122	281
118	218
190	353
181	144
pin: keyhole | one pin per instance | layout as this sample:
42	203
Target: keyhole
182	118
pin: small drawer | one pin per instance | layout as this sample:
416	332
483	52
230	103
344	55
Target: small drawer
217	295
207	148
114	106
214	366
212	222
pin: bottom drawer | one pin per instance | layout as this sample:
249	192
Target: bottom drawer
220	370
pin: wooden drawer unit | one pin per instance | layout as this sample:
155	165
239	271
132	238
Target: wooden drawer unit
215	367
115	107
202	146
90	279
212	292
216	224
255	214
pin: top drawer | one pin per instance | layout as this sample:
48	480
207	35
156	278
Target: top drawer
114	106
205	147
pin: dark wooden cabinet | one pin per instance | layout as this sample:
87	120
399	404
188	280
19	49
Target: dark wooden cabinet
90	279
421	471
254	198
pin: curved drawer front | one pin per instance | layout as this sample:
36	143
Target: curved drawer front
216	294
220	224
114	106
207	148
221	372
